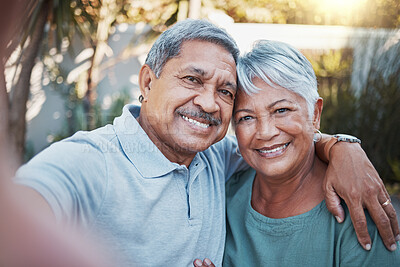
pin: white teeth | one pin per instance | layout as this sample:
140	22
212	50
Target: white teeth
202	125
274	150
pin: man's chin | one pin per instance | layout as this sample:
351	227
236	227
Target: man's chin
192	146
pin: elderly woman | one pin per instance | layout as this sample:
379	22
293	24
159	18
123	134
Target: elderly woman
276	213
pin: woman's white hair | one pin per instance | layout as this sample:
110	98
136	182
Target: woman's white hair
278	64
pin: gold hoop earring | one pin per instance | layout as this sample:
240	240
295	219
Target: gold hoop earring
317	136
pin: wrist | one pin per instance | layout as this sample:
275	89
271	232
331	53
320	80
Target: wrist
339	138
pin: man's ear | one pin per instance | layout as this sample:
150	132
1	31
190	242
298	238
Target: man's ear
317	113
146	76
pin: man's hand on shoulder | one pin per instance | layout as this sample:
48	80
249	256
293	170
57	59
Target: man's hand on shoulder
352	176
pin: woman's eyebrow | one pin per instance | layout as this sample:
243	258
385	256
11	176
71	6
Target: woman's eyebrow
269	106
278	101
242	110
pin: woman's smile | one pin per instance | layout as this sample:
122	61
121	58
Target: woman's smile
272	151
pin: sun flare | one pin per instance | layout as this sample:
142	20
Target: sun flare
340	4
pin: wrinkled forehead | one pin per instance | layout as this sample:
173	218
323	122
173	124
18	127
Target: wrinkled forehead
216	54
207	44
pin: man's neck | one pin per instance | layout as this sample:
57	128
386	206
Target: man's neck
181	157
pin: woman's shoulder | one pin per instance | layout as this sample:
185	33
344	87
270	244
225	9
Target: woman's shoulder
238	179
351	251
239	182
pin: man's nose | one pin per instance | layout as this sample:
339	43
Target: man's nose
206	99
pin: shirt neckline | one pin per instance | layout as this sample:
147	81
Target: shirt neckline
281	226
138	147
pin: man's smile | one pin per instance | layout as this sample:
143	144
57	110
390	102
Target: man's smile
195	122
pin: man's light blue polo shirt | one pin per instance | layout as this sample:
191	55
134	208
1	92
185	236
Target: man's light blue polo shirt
117	184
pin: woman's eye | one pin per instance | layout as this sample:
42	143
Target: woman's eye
281	110
245	118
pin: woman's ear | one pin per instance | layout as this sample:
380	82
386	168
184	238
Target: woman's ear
146	76
317	113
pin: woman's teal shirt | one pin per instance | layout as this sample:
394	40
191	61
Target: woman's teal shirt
310	239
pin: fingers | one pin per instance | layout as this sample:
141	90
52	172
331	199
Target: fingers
198	263
357	182
333	204
360	225
385	206
206	263
383	213
384	218
384	225
391	214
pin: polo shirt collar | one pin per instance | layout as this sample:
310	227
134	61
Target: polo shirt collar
138	147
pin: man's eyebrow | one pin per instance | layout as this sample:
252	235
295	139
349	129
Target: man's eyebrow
199	71
231	85
203	73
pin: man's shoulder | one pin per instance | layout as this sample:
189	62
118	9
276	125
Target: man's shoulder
79	150
99	140
228	142
105	133
221	151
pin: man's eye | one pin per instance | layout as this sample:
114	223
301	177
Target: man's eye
226	92
191	79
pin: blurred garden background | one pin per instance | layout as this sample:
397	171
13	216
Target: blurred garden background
72	65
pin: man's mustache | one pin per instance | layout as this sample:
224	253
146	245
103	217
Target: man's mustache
199	114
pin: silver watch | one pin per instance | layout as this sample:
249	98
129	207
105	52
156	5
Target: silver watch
347	138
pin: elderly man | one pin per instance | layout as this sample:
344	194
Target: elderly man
152	185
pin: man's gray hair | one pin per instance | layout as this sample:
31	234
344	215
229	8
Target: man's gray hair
169	43
278	63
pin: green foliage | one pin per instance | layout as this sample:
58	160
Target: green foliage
333	70
378	123
76	118
119	100
373	114
95	20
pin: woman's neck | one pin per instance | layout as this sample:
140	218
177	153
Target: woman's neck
291	195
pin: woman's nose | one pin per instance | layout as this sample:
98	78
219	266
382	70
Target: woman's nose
266	128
